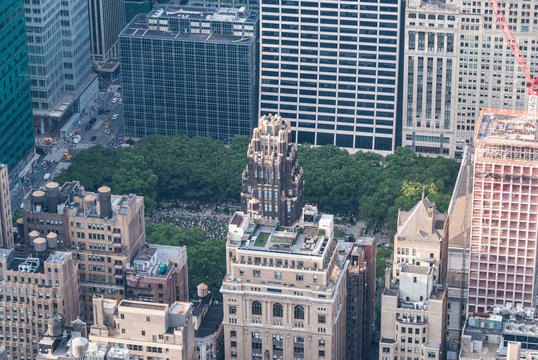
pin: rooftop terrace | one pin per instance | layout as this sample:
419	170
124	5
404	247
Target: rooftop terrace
305	238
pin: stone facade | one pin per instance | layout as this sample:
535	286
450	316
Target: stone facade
273	184
284	293
34	286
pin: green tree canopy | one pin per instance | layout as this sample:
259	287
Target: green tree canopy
363	183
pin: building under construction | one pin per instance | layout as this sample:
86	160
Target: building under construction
504	212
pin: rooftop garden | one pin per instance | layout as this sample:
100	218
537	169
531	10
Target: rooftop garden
262	239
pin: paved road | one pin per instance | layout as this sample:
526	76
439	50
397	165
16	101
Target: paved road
53	162
98	129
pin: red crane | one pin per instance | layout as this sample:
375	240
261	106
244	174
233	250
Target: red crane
532	84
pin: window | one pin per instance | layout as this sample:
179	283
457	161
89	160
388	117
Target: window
278	275
256	308
322	319
278	310
147	318
298	312
299	277
143	333
256	273
232	310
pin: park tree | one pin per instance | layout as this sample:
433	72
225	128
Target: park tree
362	184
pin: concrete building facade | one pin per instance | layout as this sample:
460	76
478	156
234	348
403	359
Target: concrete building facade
61	79
190	71
103	231
419	239
504	212
284	293
413	316
6	221
488	74
35	285
147	330
480	71
273	185
158	273
332	71
430	75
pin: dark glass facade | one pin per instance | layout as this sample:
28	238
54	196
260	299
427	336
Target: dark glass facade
187	82
16	124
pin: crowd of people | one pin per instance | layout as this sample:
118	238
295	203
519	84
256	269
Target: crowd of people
212	218
215	227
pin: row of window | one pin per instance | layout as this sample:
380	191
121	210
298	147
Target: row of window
278	311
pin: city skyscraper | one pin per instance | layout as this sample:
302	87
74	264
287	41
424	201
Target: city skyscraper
504	212
190	71
107	19
16	125
284	293
273	184
446	85
430	74
61	78
331	69
6	226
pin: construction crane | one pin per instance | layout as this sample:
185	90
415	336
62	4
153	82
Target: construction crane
532	84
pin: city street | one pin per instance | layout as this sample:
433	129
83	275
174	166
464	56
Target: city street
53	161
98	129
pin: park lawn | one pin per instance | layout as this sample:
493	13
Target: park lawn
262	239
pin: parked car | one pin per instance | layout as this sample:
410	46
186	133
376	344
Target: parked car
88	127
107	111
101	111
93	138
114	100
92	120
115	117
106	118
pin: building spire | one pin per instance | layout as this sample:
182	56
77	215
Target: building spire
273	177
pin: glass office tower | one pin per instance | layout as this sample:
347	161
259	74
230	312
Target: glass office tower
16	124
190	71
331	68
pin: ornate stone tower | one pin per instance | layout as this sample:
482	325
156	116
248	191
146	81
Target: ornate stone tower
273	184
